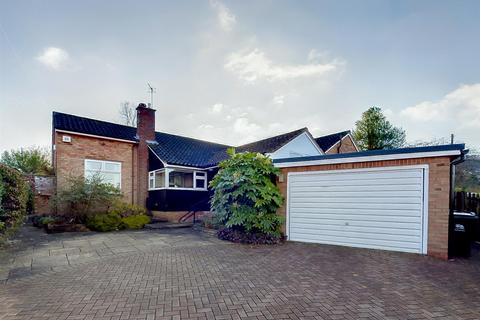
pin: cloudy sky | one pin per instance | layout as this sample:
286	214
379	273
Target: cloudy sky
236	71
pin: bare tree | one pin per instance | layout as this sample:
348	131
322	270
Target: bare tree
128	114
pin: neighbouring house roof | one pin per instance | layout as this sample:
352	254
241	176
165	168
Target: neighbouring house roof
270	145
326	142
172	149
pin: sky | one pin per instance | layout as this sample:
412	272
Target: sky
237	71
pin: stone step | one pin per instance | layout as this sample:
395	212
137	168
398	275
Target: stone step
168	225
158	220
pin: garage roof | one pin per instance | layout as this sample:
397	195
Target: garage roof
374	155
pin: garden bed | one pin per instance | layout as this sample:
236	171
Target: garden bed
239	236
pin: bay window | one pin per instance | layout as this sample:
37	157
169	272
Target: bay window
183	179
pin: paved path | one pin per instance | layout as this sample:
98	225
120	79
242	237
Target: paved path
34	251
182	274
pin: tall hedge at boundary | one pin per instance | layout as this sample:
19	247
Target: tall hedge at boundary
14	197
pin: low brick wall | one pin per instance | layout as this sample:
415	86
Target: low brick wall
174	216
438	194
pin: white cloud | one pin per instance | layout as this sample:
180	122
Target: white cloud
461	106
255	65
54	58
247	129
278	100
315	56
216	108
226	19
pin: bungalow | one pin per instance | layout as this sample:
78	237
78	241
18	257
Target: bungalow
167	173
396	200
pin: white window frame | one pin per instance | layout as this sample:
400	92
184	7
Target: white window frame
202	176
196	175
151	178
102	170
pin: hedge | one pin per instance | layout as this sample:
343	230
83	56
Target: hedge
15	193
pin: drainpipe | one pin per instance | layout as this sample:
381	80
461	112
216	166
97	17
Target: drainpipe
451	222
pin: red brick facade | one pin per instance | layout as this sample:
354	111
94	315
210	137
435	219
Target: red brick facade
345	145
69	159
438	194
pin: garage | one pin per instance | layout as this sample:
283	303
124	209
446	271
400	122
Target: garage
396	200
381	208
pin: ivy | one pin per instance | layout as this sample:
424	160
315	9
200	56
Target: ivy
246	196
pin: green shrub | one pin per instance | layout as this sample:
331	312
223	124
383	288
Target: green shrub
124	209
47	220
83	197
246	196
134	222
104	222
14	192
33	160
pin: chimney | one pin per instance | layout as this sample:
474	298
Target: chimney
145	134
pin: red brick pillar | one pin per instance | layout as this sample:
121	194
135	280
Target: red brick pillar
145	134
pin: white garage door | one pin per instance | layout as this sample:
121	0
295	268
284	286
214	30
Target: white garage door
367	208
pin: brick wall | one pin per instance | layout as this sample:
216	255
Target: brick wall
344	146
438	199
44	189
69	159
145	132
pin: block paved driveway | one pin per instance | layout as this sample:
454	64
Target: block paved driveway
183	274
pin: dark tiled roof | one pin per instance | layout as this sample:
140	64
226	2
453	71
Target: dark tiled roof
68	122
171	148
448	147
272	144
178	150
188	151
326	142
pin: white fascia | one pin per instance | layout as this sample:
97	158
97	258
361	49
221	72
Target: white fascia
397	156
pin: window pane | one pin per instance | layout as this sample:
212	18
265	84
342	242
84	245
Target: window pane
159	179
200	183
90	174
112	178
108	172
178	179
150	182
113	167
200	174
93	165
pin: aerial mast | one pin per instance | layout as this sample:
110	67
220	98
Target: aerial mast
152	90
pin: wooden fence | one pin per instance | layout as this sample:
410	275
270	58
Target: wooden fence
467	201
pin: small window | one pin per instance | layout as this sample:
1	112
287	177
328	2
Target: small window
151	180
156	179
110	172
200	180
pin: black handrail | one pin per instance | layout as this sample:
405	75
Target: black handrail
193	210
